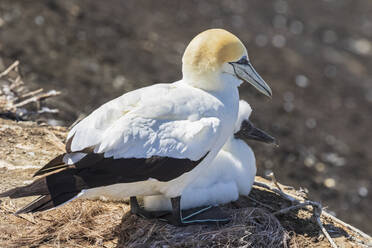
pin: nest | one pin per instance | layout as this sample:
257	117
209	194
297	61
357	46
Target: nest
263	219
102	224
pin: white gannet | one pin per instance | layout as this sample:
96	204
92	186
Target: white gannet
234	169
154	140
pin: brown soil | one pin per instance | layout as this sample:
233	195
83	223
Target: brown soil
96	50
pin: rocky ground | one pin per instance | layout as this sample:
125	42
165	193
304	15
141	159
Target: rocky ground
316	55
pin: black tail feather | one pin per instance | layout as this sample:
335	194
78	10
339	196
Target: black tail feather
39	187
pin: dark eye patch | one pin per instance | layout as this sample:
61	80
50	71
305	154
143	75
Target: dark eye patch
243	61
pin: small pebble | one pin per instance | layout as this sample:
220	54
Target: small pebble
361	46
119	82
311	123
329	183
278	41
296	27
302	81
39	20
320	167
363	191
309	161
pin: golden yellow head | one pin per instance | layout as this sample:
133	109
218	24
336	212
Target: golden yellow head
216	58
209	50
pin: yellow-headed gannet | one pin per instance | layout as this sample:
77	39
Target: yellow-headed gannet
154	140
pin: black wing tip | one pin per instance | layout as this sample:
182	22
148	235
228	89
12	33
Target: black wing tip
47	202
42	203
44	171
38	173
53	164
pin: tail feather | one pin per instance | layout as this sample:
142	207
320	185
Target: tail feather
39	187
47	202
54	190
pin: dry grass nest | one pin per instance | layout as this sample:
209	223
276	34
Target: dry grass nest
103	224
255	223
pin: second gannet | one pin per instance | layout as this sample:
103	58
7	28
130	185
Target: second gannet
154	140
233	173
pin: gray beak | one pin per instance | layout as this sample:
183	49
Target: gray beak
249	132
244	70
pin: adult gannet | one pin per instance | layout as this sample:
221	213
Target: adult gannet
234	169
154	140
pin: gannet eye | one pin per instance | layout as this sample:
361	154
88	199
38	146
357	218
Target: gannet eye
243	61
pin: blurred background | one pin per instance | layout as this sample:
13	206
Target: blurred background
316	56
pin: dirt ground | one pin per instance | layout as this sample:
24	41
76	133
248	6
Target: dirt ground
316	56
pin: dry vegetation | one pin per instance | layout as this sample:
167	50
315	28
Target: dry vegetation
16	101
107	224
272	215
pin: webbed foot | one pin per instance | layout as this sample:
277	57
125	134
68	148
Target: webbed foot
200	215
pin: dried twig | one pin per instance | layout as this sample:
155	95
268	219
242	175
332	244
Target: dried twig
32	93
317	208
10	68
38	98
294	207
272	176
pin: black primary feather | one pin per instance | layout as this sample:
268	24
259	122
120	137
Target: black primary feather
94	170
56	162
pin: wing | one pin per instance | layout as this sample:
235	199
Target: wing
160	120
164	120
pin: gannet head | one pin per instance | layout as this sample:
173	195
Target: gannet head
216	54
245	130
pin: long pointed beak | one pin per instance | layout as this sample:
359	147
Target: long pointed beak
247	73
249	132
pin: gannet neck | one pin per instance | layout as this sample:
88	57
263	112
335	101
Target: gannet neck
206	55
213	82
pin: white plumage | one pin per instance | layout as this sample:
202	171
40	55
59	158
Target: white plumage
234	169
173	120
